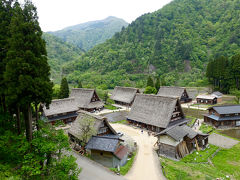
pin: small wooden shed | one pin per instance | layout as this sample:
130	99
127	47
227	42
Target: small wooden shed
178	141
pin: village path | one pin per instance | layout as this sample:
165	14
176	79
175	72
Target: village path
147	164
94	171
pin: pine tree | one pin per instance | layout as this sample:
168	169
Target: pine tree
27	70
64	89
79	84
157	84
150	82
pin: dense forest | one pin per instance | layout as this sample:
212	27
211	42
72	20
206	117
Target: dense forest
224	73
89	34
174	43
29	147
59	53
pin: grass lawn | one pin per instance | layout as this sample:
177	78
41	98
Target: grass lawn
124	169
206	128
225	163
109	106
192	120
121	122
194	112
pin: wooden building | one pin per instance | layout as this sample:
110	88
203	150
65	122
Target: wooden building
179	92
156	113
61	109
178	141
105	145
87	99
206	99
218	96
108	151
223	116
124	95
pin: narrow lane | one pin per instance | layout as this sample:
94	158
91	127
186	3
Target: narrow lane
147	164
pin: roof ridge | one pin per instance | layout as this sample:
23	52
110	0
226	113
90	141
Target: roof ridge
64	99
88	89
155	95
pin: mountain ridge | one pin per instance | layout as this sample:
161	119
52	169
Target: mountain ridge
87	35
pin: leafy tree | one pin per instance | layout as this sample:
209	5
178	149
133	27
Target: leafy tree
157	84
87	129
150	90
105	97
27	71
150	82
64	89
79	84
236	93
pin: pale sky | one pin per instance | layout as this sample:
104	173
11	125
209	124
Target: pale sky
58	14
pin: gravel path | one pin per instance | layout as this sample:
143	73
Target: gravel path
222	141
94	171
147	164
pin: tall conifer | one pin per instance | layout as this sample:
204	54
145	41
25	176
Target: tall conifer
64	89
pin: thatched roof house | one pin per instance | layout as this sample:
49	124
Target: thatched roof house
101	125
179	92
178	141
86	99
155	112
104	143
61	109
124	95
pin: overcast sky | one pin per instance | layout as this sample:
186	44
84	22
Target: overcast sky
57	14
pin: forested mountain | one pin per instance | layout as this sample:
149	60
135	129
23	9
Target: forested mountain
89	34
175	43
59	53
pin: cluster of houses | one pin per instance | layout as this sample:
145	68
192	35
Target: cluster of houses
161	114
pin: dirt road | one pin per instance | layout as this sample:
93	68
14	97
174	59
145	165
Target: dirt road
147	165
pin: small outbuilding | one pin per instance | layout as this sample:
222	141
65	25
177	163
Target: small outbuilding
64	110
178	141
104	143
206	99
87	99
124	95
218	96
156	113
223	116
179	92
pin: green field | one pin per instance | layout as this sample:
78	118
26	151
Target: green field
225	165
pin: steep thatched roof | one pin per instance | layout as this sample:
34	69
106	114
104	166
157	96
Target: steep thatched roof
153	110
171	91
84	96
75	129
60	106
124	94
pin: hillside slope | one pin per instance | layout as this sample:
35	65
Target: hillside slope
181	37
59	53
89	34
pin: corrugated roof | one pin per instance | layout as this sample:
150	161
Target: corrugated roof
232	109
179	132
152	109
228	118
103	144
60	106
217	93
171	91
205	96
84	96
121	151
124	94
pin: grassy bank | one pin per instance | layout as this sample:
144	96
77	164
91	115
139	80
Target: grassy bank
109	106
225	165
121	122
194	113
124	169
